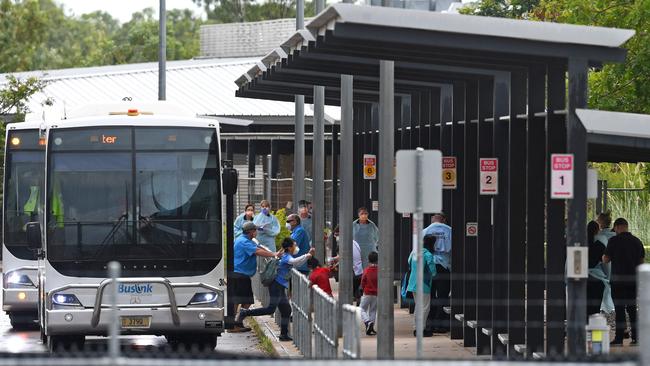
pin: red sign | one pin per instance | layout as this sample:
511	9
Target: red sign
562	176
449	162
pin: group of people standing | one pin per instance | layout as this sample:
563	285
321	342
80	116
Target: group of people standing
614	254
255	235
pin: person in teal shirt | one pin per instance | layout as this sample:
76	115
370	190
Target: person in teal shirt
268	226
429	273
247	216
366	233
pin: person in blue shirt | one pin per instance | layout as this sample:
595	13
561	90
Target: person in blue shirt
441	282
366	233
277	289
428	243
299	235
305	218
246	216
245	253
268	226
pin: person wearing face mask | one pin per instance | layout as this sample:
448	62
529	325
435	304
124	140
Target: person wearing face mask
268	226
247	216
366	234
299	235
277	290
305	218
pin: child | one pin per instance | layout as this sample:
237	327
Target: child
320	276
369	299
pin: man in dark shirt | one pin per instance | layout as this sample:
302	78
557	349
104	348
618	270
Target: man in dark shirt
625	252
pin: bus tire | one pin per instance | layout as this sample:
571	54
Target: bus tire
23	320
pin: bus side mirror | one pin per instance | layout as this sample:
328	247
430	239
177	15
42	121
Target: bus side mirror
34	235
229	180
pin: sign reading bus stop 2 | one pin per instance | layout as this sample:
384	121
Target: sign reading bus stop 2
562	176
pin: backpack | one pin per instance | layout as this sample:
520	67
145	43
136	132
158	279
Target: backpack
270	272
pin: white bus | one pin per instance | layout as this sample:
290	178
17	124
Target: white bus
143	189
23	189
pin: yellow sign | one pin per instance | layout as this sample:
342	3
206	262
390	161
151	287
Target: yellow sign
449	174
369	166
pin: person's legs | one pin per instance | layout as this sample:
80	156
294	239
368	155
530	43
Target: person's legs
619	308
285	312
356	283
275	292
631	310
441	297
372	308
426	307
365	309
595	290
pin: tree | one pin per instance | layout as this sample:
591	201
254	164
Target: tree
16	94
501	8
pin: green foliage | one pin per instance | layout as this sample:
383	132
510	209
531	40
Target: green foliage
281	215
501	8
37	34
230	11
15	95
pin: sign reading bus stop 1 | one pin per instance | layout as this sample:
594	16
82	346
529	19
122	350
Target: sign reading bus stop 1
562	176
449	174
489	176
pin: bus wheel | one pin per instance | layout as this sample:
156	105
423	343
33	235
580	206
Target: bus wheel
23	320
65	343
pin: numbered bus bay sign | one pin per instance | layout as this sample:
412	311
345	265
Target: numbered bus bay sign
489	176
562	176
369	166
449	173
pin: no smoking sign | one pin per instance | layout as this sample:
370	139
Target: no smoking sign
471	229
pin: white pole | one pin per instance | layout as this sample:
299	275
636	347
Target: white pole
114	327
643	291
418	246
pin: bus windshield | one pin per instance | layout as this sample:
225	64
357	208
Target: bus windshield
147	197
24	172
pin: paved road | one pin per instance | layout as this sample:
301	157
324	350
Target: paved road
29	341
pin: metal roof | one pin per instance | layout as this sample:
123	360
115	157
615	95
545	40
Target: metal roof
468	24
616	136
204	86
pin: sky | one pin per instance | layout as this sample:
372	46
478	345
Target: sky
122	9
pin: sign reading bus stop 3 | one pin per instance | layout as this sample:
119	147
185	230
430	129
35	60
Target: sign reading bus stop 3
562	176
449	176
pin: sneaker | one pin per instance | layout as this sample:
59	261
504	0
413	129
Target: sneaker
616	342
370	329
285	338
367	324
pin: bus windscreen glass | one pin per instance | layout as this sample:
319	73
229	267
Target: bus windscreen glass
155	206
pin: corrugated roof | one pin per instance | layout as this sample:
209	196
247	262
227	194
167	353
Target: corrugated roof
204	86
469	24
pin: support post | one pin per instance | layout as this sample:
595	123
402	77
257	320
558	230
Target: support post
555	214
162	51
252	157
299	143
269	182
386	333
347	189
643	289
535	205
577	207
335	176
418	246
318	173
114	272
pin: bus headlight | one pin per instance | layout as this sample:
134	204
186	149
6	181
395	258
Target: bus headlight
65	300
201	298
16	280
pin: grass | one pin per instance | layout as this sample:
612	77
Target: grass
266	345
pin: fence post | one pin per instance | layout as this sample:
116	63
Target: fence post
114	270
351	332
643	291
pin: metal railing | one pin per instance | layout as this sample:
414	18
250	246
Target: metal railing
351	332
326	342
301	304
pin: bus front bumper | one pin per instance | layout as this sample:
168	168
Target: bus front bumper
190	319
20	299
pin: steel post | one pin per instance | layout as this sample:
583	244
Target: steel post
114	272
162	51
643	290
299	143
346	208
577	207
318	173
418	246
269	190
385	337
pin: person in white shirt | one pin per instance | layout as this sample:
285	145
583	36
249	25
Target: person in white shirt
357	265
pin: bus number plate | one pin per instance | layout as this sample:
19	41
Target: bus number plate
135	322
